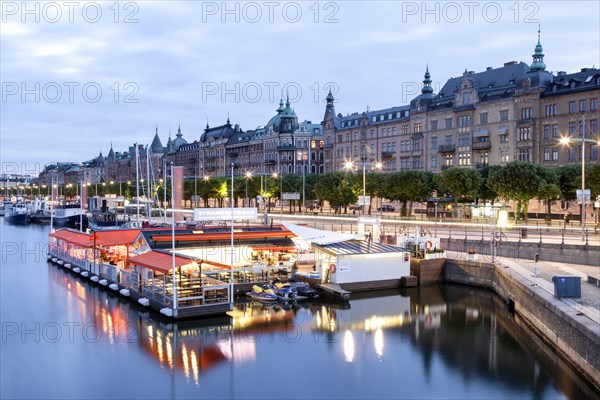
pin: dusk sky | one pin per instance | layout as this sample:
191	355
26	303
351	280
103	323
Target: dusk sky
78	76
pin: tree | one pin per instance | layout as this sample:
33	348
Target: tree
592	179
337	188
569	180
461	183
548	190
485	192
519	181
408	187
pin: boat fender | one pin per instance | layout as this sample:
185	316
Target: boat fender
114	286
332	268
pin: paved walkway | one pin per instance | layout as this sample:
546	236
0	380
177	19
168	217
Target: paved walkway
588	304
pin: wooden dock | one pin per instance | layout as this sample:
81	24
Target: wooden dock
334	290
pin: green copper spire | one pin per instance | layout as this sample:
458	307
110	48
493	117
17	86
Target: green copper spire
427	89
538	56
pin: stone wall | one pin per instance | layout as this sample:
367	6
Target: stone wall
567	253
573	336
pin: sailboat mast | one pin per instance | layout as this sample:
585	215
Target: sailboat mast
137	184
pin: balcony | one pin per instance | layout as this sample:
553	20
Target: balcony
482	145
388	154
270	162
446	148
290	147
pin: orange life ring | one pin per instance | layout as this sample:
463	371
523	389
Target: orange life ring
332	268
429	245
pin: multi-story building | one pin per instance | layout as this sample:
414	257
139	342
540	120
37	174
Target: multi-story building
514	112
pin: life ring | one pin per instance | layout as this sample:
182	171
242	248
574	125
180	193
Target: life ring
332	268
429	245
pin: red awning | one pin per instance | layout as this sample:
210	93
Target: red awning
74	237
158	261
195	237
117	237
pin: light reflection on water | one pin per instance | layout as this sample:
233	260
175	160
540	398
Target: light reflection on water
436	341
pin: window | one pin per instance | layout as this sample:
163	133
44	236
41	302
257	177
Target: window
405	129
404	162
372	148
434	125
555	154
550	110
416	144
464	159
504	138
374	119
504	155
503	115
433	162
555	131
594	126
328	140
418	127
571	107
572	153
594	152
381	117
582	105
448	123
464	140
434	143
464	120
394	131
546	131
483	118
355	135
593	104
390	116
340	139
547	154
416	162
449	160
405	145
572	128
355	151
524	154
525	133
526	113
466	98
372	133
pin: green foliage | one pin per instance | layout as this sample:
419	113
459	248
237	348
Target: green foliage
592	179
569	180
485	192
462	183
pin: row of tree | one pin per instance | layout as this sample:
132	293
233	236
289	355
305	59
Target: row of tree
517	181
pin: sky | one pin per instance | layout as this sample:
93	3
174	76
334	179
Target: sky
77	76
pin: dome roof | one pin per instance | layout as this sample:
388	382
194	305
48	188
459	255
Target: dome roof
179	140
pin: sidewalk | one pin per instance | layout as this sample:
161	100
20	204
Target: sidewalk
588	304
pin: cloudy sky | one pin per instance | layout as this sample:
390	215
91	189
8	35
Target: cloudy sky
77	76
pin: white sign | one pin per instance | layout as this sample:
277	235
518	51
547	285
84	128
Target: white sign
290	196
259	199
224	214
364	200
369	220
588	196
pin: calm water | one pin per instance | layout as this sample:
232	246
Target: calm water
62	338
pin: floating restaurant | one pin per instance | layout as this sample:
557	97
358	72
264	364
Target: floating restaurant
139	264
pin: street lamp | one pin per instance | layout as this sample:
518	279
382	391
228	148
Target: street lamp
248	176
565	141
349	165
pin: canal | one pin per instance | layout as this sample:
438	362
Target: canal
64	338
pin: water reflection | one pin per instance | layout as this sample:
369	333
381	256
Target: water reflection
436	341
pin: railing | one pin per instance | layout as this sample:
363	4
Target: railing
446	148
388	153
481	145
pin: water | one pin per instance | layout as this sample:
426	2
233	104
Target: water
63	338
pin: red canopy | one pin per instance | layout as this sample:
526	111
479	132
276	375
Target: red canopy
74	237
159	261
117	237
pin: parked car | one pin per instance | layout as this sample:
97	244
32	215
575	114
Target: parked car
312	207
386	208
355	207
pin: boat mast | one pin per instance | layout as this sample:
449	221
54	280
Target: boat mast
232	255
137	185
52	205
81	207
148	195
173	245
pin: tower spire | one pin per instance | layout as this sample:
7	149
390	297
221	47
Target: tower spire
538	55
427	89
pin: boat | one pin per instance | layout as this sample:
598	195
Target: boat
303	290
68	215
104	218
283	291
40	212
259	294
17	214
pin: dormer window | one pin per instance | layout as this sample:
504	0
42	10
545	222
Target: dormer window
466	98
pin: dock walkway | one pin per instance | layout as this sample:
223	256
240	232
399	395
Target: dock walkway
334	290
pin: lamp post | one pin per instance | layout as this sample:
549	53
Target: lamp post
349	165
583	140
248	176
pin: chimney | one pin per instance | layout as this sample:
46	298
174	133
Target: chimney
509	63
488	68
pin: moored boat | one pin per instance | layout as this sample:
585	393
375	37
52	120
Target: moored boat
17	214
259	294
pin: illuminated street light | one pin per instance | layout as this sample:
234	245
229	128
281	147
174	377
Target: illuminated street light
349	165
